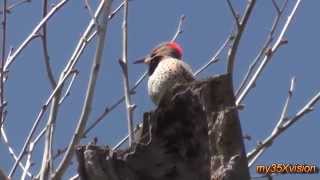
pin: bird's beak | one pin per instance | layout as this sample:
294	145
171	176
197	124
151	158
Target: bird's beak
145	60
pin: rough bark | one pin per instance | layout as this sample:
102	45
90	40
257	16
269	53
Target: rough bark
194	134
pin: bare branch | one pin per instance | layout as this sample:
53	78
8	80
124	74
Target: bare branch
101	32
252	158
14	5
30	151
67	93
74	177
214	58
126	138
124	67
84	40
89	9
44	41
116	10
242	25
234	14
282	125
112	107
2	60
107	111
276	6
268	55
11	150
264	49
12	57
46	167
179	28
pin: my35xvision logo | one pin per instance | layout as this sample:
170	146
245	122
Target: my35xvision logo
287	168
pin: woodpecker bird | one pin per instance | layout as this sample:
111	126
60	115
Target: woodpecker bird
166	68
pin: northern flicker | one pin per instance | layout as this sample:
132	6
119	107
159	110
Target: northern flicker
166	68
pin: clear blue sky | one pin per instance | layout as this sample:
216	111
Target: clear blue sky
207	25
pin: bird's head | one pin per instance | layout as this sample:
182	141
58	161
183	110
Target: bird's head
166	49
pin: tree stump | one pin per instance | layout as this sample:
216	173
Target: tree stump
194	134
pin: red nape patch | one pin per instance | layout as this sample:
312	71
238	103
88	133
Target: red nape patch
176	46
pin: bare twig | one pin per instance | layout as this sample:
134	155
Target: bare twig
234	13
30	151
112	107
90	10
14	5
116	10
2	60
101	31
125	74
276	6
179	28
84	40
126	138
44	41
214	58
68	90
74	177
13	56
283	116
11	151
283	124
268	55
46	166
242	25
263	50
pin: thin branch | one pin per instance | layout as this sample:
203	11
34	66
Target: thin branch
283	116
280	41
44	41
276	6
47	160
68	90
125	75
30	151
101	31
13	56
214	58
2	60
264	48
126	138
14	5
234	14
11	151
83	42
112	107
116	10
280	128
28	163
33	129
89	9
179	28
74	177
242	25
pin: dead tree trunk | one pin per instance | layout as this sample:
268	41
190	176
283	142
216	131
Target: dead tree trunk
194	134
